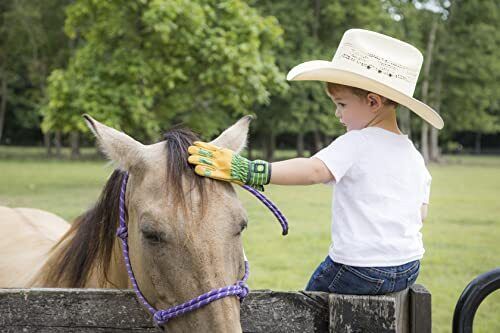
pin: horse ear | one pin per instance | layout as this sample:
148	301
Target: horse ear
235	137
118	146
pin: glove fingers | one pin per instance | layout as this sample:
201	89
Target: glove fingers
214	174
203	170
206	145
194	150
200	160
211	173
221	175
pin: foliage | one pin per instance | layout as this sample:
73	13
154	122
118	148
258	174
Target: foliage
145	65
472	89
32	45
312	30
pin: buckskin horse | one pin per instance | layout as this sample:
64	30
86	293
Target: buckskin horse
184	232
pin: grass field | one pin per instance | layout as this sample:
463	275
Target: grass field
461	234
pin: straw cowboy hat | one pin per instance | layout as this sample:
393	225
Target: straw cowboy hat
376	63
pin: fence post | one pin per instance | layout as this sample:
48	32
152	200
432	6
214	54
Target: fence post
407	311
420	309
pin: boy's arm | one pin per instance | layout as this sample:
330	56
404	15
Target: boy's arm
300	171
224	164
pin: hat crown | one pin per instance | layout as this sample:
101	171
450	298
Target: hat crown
380	58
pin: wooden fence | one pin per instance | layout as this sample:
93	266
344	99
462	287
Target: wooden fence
110	310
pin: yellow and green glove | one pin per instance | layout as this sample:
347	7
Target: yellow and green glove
224	164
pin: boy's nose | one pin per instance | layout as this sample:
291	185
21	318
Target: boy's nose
337	113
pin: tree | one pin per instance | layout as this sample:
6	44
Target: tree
472	66
32	45
312	30
146	65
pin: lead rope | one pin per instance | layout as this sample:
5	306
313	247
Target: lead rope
239	289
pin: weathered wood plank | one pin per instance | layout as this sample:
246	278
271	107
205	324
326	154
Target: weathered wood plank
77	309
109	310
421	309
402	311
362	314
280	312
38	329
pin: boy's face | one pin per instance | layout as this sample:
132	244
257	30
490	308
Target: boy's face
353	111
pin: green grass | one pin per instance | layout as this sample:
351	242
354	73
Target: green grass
461	234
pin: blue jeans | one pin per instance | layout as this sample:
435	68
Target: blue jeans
343	279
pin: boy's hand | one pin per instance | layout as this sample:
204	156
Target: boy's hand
224	164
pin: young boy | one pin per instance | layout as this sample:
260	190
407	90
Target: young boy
381	183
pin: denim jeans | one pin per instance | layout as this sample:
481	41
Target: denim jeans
343	279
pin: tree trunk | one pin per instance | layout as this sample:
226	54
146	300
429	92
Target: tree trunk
317	140
405	120
424	135
317	12
270	146
477	145
75	144
300	144
3	105
47	143
424	141
58	144
435	152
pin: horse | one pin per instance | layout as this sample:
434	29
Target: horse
184	231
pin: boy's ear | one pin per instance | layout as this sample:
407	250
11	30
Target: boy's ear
375	101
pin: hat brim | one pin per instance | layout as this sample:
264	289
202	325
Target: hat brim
321	70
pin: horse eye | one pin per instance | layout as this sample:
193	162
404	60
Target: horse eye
153	237
243	226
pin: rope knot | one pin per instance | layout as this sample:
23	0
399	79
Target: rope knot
159	318
244	290
122	232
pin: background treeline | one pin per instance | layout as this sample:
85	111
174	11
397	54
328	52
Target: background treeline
147	65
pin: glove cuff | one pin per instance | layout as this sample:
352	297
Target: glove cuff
254	173
259	173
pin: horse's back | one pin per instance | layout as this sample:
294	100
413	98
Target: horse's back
26	237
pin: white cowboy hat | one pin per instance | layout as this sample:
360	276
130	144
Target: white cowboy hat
376	63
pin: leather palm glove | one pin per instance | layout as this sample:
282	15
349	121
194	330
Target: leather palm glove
224	164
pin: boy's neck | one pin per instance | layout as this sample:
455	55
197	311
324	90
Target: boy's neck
387	122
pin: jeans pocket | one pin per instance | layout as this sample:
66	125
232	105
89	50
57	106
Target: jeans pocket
355	281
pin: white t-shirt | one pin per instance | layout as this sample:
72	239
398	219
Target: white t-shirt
381	183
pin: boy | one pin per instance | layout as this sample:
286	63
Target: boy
381	183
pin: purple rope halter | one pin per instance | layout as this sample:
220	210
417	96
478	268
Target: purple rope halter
281	218
239	289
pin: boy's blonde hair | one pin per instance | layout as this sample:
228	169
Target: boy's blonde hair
361	93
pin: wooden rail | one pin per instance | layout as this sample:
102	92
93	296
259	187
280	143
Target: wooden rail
111	310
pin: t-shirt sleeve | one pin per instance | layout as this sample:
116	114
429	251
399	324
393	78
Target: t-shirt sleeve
342	153
427	187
